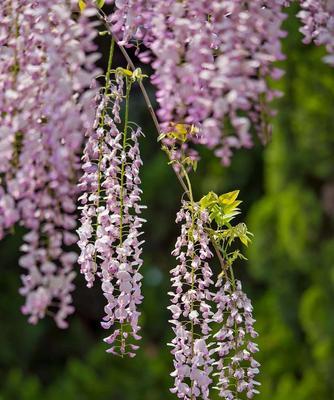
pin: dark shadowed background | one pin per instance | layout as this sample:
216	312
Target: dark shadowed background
288	193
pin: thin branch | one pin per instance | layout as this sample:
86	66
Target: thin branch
218	253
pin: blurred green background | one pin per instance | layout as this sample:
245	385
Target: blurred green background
288	193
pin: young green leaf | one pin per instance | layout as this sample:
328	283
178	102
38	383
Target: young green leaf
208	201
229	198
82	5
100	3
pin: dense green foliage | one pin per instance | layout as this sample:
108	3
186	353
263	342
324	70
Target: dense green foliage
289	205
292	255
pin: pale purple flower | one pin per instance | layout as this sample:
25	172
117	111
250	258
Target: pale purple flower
317	17
130	19
111	225
214	343
44	55
191	309
234	343
211	61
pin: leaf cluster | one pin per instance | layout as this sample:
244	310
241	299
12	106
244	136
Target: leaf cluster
222	209
179	132
134	76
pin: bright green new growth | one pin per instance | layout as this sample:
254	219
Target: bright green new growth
222	211
82	4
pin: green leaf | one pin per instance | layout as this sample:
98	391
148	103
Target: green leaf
100	3
239	231
123	71
244	239
235	255
137	75
82	4
229	216
208	201
229	198
231	207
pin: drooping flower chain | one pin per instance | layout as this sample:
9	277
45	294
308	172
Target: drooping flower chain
111	225
317	17
234	347
42	123
191	310
213	324
211	62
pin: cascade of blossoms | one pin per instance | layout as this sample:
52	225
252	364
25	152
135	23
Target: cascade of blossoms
211	62
191	310
41	136
317	17
130	19
235	365
213	324
248	43
9	122
111	224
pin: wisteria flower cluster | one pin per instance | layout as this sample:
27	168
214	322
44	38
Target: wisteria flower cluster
213	62
111	224
205	49
45	71
191	309
318	25
213	323
236	365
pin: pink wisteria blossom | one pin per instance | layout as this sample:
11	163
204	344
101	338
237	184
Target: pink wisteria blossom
211	61
213	324
111	224
45	57
317	17
191	310
234	347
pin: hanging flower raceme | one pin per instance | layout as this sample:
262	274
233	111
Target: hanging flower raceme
211	62
11	95
219	56
191	310
130	20
234	346
213	324
318	25
111	224
44	115
247	39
